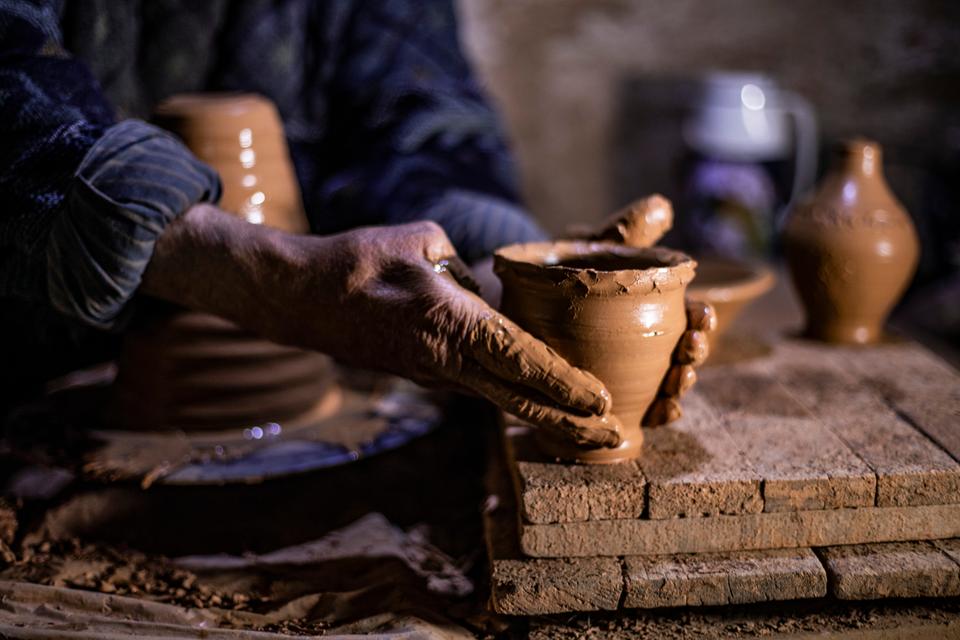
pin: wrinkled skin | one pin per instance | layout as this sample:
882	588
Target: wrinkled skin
408	277
388	298
398	299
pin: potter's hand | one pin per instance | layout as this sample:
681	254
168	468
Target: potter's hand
387	298
691	351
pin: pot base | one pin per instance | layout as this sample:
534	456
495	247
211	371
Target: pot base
552	447
845	333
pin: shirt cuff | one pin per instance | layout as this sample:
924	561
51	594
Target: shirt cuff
478	224
130	185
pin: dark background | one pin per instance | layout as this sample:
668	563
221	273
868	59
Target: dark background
885	69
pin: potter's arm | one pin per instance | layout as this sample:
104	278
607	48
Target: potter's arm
84	197
411	135
383	297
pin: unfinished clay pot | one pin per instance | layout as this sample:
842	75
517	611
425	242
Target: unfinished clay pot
615	311
241	136
852	248
183	370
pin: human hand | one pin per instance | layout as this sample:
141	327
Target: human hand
639	224
405	296
389	298
690	352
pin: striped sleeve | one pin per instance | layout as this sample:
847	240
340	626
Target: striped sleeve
130	185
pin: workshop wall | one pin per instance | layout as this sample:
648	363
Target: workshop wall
882	68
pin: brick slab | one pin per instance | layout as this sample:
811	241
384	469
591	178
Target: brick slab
783	530
717	579
901	570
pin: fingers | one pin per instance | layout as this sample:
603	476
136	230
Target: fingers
701	316
693	348
680	378
663	410
691	351
511	354
586	431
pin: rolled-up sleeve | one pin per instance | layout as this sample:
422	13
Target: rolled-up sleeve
130	185
84	197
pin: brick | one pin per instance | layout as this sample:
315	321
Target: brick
781	530
918	384
951	547
910	468
693	467
554	492
723	578
804	466
892	570
524	586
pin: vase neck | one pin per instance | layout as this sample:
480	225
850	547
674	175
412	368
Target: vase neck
860	157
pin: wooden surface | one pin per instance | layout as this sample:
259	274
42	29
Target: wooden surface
803	445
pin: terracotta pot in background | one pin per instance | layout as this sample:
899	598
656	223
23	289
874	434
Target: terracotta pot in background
730	286
615	311
851	248
187	370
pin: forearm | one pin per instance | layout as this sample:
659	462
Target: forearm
255	276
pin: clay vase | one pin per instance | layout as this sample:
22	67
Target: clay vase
851	248
615	311
184	370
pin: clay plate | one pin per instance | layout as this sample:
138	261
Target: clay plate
729	285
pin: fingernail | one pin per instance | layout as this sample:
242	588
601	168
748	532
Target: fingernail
612	436
601	402
702	316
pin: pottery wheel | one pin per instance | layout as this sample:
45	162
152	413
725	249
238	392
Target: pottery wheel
365	415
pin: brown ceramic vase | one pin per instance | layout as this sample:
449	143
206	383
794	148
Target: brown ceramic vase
851	248
183	370
615	311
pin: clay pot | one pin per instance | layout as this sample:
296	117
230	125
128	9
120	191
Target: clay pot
851	248
615	311
183	370
729	285
241	136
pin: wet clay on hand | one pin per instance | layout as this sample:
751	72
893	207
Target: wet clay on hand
852	248
615	311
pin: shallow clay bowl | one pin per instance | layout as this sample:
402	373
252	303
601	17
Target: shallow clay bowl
729	285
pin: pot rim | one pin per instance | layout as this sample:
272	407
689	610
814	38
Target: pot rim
531	262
